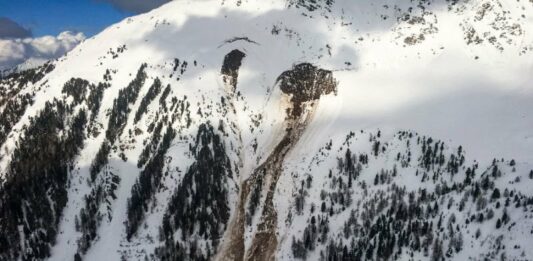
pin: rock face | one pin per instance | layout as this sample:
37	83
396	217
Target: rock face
230	68
277	130
306	83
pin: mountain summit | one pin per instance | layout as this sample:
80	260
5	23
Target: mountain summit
277	130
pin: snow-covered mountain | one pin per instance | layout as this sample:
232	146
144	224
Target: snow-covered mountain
277	130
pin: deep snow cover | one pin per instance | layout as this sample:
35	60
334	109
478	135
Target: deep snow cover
277	129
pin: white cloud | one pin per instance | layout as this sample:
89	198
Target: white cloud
29	52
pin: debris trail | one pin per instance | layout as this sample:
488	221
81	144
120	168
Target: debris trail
303	86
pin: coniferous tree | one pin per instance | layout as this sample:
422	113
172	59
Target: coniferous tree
495	194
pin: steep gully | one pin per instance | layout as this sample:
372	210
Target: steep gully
303	86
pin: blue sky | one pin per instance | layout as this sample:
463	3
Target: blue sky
51	17
33	19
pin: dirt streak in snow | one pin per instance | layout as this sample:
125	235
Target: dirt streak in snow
303	85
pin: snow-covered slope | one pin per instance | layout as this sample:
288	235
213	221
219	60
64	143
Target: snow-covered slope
277	129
